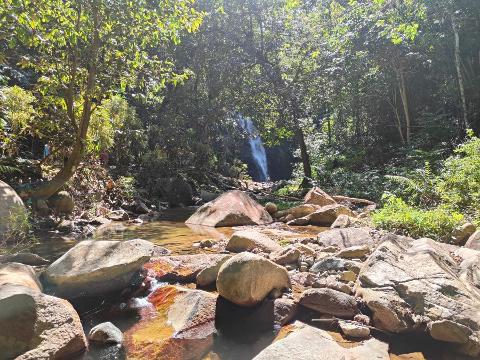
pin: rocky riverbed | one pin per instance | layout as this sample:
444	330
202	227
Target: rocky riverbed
245	281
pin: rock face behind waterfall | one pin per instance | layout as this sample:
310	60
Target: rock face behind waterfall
421	285
234	208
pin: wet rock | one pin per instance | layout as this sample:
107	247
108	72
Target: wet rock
141	208
473	241
100	220
106	333
246	279
285	256
271	208
250	239
37	326
461	234
344	238
330	302
285	311
66	226
11	205
204	244
62	203
19	274
160	251
354	252
233	208
208	276
317	196
416	284
95	267
307	342
181	268
354	330
180	325
118	215
24	258
336	264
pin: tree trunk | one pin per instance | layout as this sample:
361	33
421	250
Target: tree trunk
49	188
307	168
458	65
403	94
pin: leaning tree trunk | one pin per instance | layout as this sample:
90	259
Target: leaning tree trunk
49	188
458	65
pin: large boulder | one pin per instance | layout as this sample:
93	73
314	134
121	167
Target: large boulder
307	342
421	285
19	274
473	241
97	267
208	276
38	326
330	302
62	203
298	211
317	196
177	191
11	207
180	325
327	215
182	268
345	238
233	208
245	240
246	279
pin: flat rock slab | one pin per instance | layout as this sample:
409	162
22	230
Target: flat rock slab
233	208
345	238
417	285
182	268
38	326
97	267
179	325
308	342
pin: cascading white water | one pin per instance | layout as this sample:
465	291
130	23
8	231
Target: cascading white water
256	147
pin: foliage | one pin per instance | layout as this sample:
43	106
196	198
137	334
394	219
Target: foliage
458	184
108	119
126	185
16	117
18	235
396	215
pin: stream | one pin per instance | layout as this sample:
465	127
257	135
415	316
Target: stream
171	232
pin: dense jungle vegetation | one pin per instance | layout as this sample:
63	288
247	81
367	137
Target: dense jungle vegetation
377	99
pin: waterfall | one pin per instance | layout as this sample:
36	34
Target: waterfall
256	147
